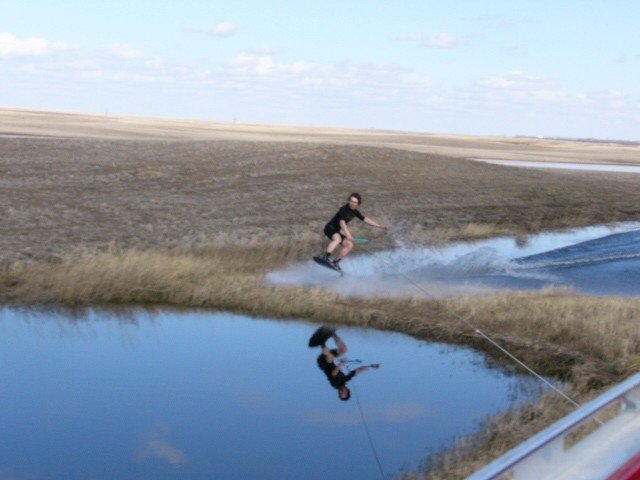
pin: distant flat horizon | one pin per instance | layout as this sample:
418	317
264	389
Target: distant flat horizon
116	115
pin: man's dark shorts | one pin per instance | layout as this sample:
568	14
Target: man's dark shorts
330	231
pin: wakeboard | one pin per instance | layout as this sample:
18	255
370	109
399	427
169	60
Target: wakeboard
320	336
324	263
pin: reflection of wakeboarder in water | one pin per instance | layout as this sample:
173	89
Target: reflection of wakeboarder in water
326	361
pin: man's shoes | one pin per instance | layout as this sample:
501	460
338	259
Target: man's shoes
336	264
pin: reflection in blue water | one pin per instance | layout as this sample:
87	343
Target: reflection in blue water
202	396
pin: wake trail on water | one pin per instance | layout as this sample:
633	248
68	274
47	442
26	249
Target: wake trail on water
591	260
395	273
431	264
580	261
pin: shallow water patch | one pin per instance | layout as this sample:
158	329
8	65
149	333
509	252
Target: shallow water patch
201	395
590	167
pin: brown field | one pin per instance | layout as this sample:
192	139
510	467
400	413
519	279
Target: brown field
104	210
180	181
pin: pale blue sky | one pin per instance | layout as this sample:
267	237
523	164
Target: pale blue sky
554	68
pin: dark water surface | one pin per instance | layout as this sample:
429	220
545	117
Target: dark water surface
141	395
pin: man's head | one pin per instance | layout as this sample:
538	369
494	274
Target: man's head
344	393
354	200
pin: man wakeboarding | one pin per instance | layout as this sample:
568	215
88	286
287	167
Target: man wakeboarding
338	232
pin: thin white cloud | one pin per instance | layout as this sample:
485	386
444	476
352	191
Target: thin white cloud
519	86
259	73
260	64
437	40
92	74
517	80
266	50
160	449
124	51
493	22
12	46
301	72
444	40
516	89
264	64
417	36
224	30
613	99
155	61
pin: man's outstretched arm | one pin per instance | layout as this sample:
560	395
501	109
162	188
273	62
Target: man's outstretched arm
373	223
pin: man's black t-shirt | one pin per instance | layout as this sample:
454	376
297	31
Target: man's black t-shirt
340	379
346	214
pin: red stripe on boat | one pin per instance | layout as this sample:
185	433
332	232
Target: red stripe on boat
629	471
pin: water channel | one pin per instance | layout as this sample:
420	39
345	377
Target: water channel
588	167
597	260
136	394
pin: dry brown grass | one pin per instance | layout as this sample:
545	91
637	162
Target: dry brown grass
57	194
177	213
59	124
496	434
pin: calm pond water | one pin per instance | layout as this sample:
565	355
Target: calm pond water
196	395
